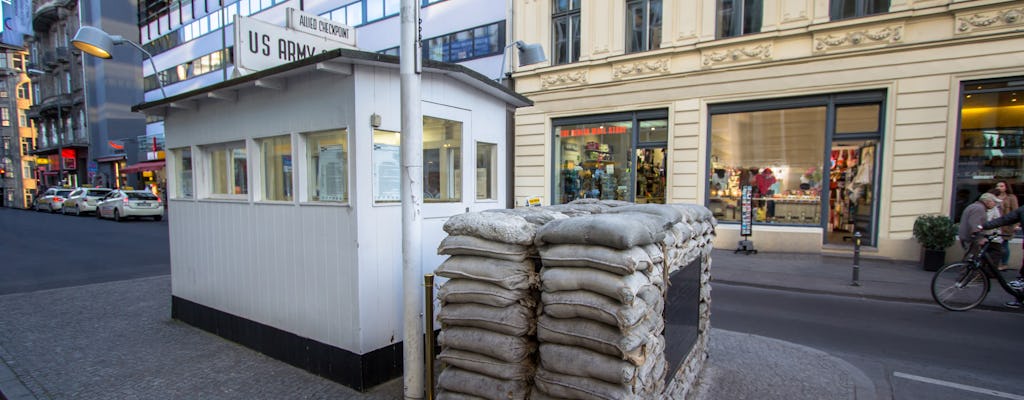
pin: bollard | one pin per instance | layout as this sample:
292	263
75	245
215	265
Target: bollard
856	259
428	283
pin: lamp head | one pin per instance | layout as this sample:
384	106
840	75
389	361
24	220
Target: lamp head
530	53
95	41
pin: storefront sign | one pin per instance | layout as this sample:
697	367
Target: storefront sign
597	130
746	213
260	45
325	28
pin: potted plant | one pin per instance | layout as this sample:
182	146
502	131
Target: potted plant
935	233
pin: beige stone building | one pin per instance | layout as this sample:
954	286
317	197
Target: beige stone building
868	113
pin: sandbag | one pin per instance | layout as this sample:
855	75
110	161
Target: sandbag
600	337
623	288
533	215
492	344
620	262
577	387
513	320
654	251
454	245
593	306
473	291
620	230
479	363
462	381
507	274
670	214
578	209
447	395
504	228
580	361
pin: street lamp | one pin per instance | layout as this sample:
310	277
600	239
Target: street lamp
529	53
98	43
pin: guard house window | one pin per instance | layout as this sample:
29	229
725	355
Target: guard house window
565	24
739	17
843	9
643	25
229	168
486	171
442	162
276	157
991	139
327	165
183	160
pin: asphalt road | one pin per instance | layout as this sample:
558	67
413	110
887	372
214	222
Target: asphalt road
909	350
45	251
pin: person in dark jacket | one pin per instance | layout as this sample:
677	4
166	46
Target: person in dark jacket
1014	217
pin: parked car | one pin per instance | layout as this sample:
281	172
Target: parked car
83	200
52	200
121	204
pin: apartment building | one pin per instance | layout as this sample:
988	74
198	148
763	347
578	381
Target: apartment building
82	105
17	133
799	123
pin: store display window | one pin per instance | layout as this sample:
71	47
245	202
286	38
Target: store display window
991	140
810	161
619	156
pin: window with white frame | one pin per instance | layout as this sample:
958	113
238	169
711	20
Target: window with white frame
228	168
486	171
183	161
565	27
276	158
442	162
327	165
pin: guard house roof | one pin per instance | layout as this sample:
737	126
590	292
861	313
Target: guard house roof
337	62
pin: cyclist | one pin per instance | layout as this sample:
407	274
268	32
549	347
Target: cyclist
1014	217
973	216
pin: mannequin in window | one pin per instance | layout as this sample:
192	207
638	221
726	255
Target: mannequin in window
764	181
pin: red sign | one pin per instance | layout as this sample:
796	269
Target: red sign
67	153
599	130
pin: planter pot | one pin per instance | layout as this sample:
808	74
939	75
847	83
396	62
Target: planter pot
931	260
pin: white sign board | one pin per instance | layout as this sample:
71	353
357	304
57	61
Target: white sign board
325	28
260	45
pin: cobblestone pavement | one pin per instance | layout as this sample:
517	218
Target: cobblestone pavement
80	343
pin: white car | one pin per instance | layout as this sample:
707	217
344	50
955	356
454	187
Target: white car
52	200
83	200
121	204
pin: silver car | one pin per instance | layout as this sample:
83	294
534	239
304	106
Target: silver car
83	200
52	200
121	204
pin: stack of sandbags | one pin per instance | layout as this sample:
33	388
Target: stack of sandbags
690	238
601	324
488	305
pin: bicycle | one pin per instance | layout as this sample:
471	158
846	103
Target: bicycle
963	285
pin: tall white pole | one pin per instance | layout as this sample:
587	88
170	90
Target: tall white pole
412	200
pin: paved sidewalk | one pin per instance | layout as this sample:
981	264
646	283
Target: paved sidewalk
116	341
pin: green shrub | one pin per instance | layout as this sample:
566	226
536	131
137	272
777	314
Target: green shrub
934	232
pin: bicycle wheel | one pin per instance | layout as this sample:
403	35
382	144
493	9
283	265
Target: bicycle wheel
959	286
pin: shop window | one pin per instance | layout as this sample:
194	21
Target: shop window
565	25
643	25
779	154
486	171
228	170
843	9
991	140
857	118
327	171
183	162
276	157
739	17
593	160
442	162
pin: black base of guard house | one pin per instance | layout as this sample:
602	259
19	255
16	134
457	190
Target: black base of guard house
360	372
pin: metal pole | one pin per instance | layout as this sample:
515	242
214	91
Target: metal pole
856	259
428	300
412	198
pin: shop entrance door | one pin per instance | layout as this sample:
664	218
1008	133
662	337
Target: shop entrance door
851	197
650	175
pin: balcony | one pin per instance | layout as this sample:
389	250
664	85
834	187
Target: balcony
50	58
48	12
63	55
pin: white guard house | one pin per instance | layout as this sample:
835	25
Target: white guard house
283	187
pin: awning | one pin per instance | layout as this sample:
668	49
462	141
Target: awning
144	166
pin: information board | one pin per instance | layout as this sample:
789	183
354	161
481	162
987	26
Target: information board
746	213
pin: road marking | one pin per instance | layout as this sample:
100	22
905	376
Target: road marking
968	388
